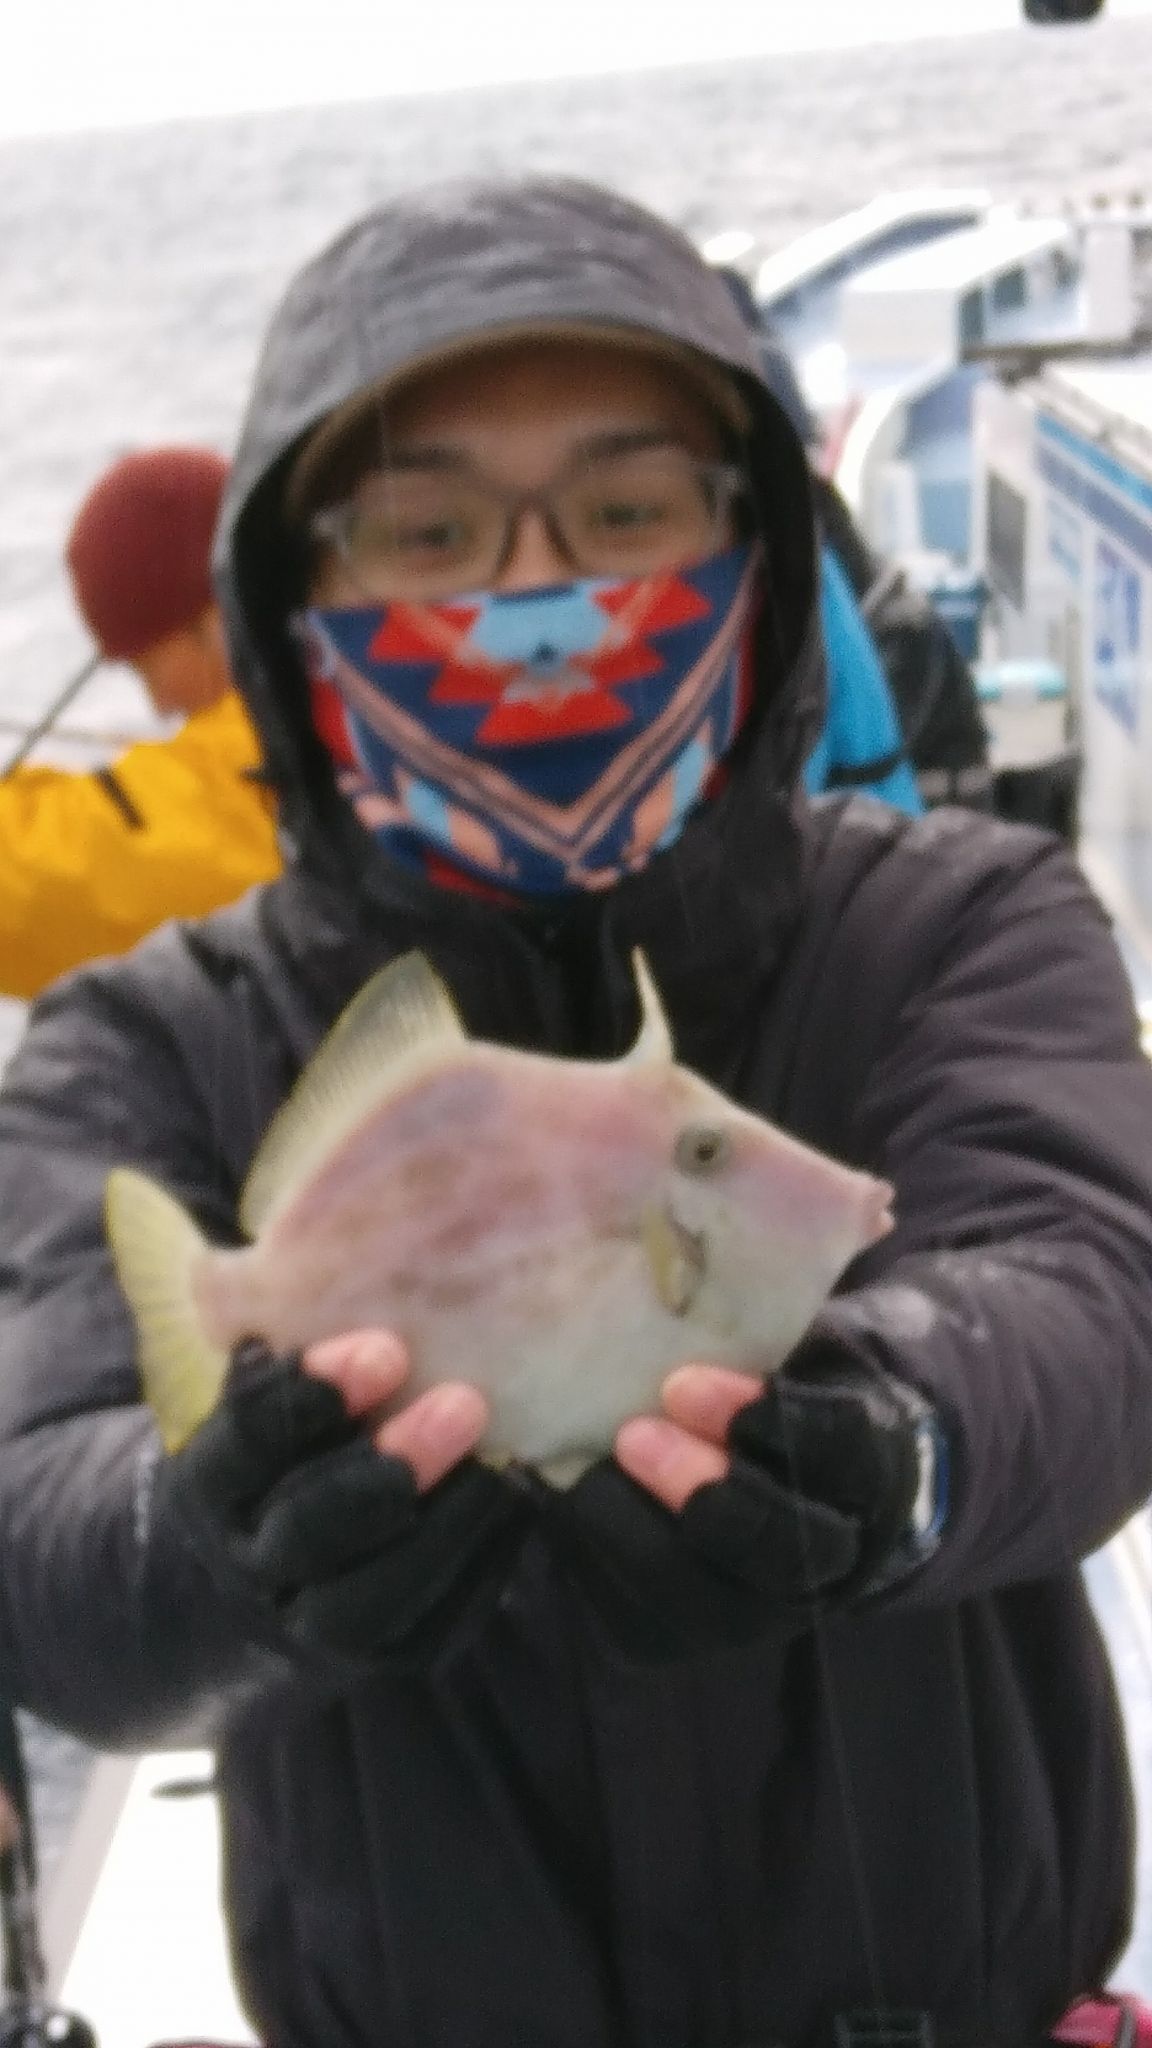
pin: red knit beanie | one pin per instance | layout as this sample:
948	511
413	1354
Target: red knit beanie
139	549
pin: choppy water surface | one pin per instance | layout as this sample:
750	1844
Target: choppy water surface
137	270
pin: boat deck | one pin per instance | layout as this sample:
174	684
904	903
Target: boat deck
1120	1582
144	1961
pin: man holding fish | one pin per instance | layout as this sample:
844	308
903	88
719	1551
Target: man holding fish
610	1635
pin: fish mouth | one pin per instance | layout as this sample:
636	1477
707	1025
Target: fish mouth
878	1217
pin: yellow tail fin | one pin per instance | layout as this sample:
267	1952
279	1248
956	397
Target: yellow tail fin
155	1247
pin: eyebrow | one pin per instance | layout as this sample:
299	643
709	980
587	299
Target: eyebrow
618	441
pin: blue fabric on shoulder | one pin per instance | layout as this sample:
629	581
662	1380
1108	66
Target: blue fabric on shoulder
861	726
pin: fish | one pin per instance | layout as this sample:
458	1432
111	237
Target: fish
560	1233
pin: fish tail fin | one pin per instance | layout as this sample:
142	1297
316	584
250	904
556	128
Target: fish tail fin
155	1249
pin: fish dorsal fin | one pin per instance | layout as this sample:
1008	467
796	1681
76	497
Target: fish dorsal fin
653	1045
401	1021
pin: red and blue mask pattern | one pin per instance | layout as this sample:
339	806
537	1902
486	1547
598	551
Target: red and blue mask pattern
536	741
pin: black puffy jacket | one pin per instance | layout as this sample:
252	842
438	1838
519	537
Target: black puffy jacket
923	1804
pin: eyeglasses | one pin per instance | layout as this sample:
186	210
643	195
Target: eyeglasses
436	530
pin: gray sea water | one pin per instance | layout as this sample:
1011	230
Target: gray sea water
137	270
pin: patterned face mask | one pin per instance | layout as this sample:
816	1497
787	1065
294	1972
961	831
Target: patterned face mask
540	741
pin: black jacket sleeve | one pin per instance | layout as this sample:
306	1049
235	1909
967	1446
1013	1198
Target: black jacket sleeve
1012	1108
108	1624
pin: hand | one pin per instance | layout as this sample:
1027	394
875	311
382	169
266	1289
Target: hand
368	1368
676	1453
349	1541
744	1508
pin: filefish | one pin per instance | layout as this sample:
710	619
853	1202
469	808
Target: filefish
560	1233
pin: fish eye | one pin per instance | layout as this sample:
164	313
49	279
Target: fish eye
701	1149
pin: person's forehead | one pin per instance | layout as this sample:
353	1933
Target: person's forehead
562	386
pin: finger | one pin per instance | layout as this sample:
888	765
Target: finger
445	1555
365	1366
435	1431
668	1461
703	1399
328	1515
271	1417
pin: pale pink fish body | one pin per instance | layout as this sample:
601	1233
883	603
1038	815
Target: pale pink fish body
561	1234
499	1217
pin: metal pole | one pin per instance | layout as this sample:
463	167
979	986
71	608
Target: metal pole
27	2020
106	737
72	688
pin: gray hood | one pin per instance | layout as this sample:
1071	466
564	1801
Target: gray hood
406	282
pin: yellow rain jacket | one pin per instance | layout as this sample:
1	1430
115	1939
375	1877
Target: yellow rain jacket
90	863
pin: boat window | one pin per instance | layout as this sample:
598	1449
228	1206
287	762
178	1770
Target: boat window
1007	515
971	319
1009	291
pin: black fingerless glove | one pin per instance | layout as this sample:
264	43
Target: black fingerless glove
326	1542
830	1497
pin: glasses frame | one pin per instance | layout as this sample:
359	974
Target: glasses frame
330	526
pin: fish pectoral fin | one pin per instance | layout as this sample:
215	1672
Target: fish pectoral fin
677	1258
400	1020
567	1467
155	1247
562	1469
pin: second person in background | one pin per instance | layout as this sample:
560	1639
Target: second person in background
91	862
